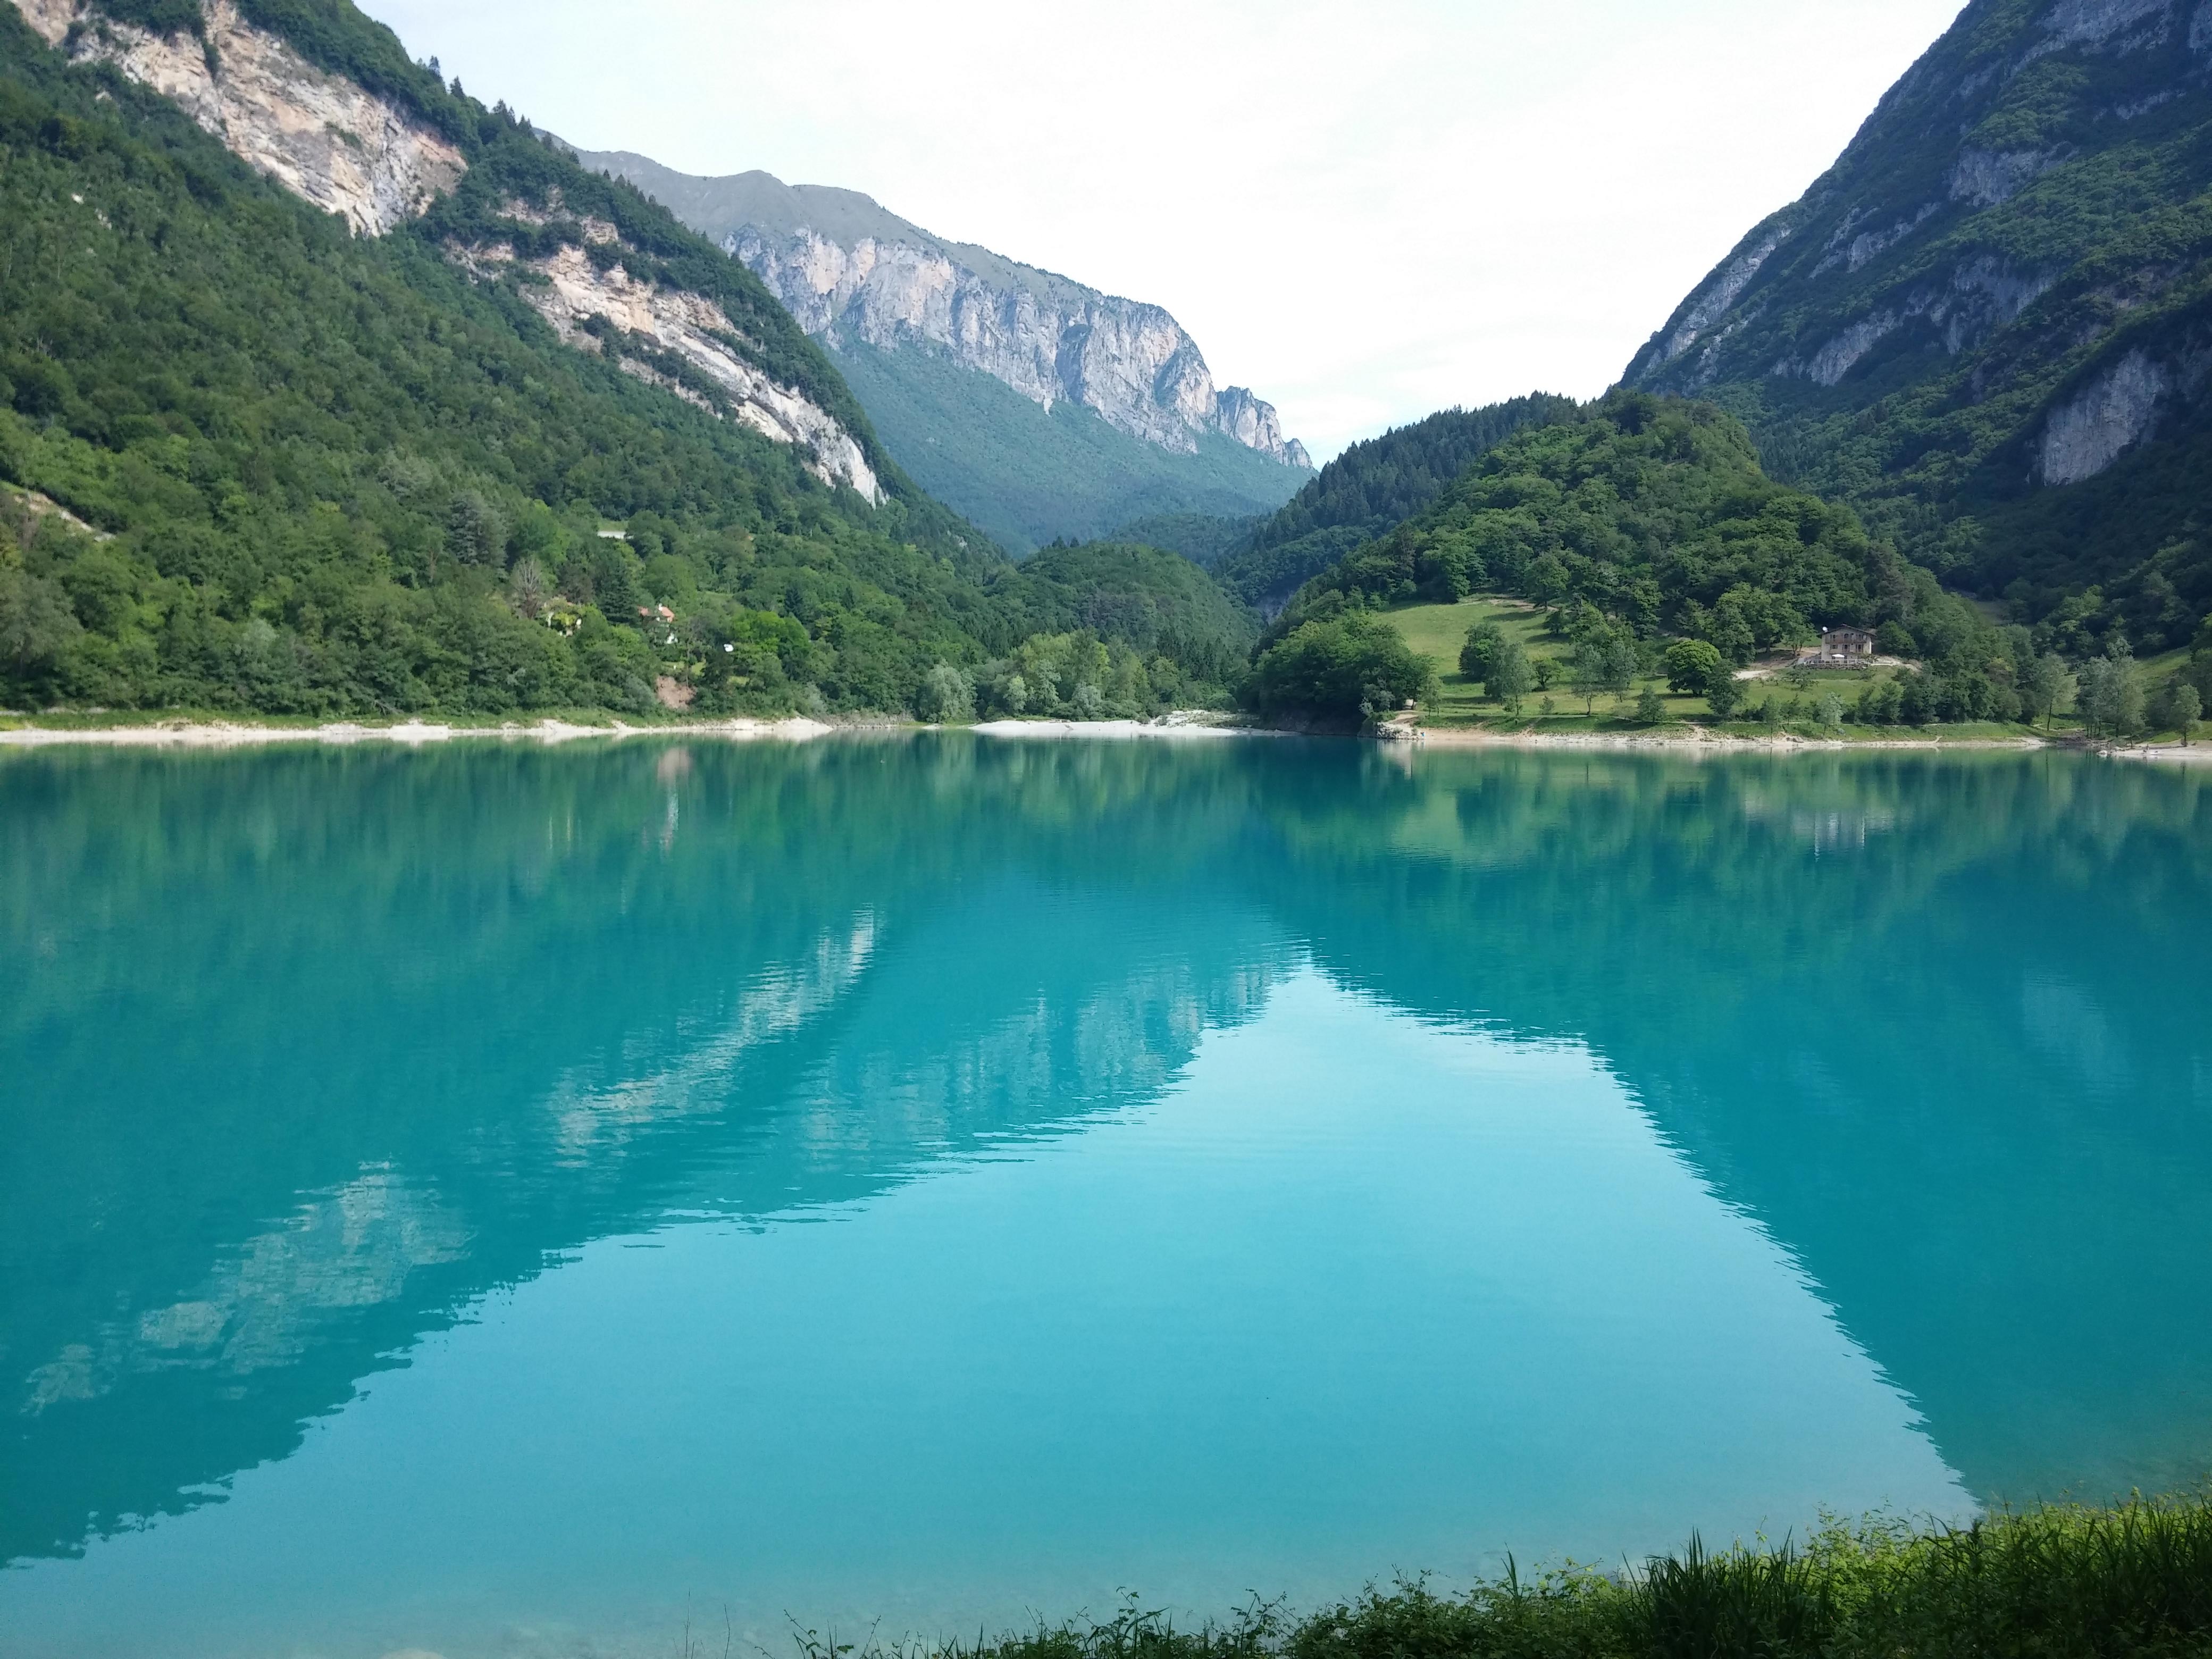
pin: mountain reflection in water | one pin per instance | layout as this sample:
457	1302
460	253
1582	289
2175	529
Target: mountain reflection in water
308	1052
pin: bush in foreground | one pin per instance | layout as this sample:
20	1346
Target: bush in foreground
2054	1583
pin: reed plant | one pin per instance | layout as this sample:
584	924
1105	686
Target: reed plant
2060	1581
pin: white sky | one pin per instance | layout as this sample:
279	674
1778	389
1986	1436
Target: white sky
1364	212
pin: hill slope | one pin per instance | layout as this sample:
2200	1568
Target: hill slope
1648	517
918	321
1652	510
1989	324
1154	602
1365	491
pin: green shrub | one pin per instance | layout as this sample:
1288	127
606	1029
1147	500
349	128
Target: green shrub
1347	668
2055	1583
947	694
1480	654
1691	665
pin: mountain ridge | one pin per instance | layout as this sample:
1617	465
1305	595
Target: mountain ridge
1041	408
841	261
327	103
1989	324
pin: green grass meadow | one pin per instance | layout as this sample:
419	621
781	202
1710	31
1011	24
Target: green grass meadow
1437	631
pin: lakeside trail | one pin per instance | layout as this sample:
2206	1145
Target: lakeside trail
178	733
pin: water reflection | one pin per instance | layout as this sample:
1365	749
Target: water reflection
309	1052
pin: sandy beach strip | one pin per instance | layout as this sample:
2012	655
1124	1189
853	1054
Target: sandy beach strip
229	734
1169	727
2196	754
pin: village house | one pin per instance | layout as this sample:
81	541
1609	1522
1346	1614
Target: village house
1839	647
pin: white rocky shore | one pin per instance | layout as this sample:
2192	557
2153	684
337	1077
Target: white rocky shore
237	734
1403	733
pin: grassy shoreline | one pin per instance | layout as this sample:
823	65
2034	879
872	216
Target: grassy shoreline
1461	711
2055	1583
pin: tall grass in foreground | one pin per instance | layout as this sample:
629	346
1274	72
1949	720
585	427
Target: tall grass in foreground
2050	1583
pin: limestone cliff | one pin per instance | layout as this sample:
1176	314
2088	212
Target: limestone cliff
586	299
851	271
367	159
320	135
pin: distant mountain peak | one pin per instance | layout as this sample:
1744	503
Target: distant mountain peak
849	269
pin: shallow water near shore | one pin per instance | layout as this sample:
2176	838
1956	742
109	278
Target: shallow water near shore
517	1200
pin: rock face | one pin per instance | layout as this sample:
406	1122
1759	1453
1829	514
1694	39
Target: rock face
351	153
850	270
1984	261
320	135
570	290
2086	434
2118	409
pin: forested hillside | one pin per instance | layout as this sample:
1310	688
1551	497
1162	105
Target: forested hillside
331	473
1652	509
1108	628
1987	327
307	471
1646	518
1204	538
1365	491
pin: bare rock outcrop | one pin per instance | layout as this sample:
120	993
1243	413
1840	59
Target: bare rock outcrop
1979	296
319	136
2122	405
1130	361
1984	177
847	269
1710	303
351	153
570	289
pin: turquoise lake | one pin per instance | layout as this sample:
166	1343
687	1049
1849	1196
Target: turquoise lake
499	1200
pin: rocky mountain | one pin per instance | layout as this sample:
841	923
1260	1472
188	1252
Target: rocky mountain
898	304
1989	324
368	136
340	146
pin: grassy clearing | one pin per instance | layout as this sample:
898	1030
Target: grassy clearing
1437	631
2054	1583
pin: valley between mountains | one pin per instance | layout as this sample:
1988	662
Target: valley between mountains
329	392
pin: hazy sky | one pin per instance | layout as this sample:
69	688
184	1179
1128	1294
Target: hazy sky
1364	212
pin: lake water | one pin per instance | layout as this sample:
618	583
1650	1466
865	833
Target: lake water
499	1201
